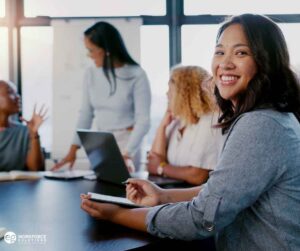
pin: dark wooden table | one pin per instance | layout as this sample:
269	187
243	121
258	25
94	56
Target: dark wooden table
52	208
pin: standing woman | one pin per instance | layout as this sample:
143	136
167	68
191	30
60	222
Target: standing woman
251	200
20	147
116	93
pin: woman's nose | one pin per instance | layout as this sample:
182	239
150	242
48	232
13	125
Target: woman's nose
227	63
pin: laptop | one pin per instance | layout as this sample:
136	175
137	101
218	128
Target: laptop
107	161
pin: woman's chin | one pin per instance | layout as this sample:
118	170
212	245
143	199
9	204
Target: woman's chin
98	65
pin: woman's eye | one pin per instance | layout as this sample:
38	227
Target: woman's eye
241	53
219	53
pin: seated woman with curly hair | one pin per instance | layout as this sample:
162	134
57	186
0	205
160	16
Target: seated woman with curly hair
186	146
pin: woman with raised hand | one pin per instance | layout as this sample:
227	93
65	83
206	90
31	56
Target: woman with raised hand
185	146
251	200
116	94
20	147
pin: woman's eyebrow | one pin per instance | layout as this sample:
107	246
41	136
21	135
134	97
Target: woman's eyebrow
236	45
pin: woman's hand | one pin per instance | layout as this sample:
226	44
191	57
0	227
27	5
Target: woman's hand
144	192
167	119
36	120
70	158
129	163
101	211
154	160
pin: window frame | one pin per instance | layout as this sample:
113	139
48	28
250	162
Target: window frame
14	20
174	19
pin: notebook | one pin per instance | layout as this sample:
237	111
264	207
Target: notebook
107	161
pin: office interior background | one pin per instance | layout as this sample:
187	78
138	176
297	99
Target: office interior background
169	32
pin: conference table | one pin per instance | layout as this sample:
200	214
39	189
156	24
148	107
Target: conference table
46	215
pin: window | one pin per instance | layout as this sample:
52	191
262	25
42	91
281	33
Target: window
198	44
2	8
37	50
58	8
155	61
4	70
218	7
37	44
290	32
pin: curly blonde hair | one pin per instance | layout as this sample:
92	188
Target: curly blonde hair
193	96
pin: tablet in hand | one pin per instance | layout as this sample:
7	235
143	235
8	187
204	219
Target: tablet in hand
113	199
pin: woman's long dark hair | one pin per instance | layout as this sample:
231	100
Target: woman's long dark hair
107	37
275	85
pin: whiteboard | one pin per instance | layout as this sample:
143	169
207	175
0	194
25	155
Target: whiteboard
69	63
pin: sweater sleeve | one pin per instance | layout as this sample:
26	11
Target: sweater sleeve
142	103
250	164
86	113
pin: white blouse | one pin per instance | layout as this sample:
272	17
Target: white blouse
198	146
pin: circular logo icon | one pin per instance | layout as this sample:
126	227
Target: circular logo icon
10	237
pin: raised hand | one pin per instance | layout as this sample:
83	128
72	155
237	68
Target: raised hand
167	118
143	192
36	120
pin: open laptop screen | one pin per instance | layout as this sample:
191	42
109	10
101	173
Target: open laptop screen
104	155
107	161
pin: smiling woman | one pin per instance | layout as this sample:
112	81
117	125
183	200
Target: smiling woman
233	63
260	112
250	74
